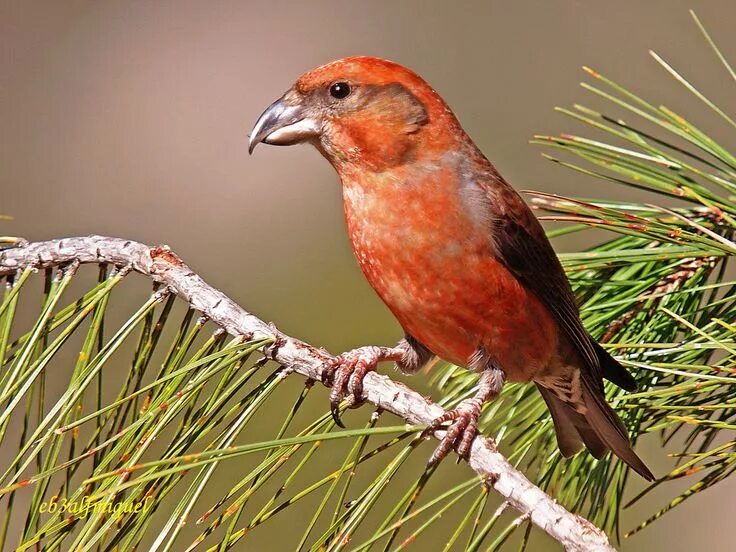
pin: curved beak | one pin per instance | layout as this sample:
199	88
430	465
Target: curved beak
282	124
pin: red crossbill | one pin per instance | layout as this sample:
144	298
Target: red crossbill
452	250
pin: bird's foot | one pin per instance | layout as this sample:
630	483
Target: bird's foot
345	374
461	431
464	418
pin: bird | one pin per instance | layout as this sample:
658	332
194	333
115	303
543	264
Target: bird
453	251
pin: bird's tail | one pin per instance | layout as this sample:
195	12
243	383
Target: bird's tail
612	370
591	421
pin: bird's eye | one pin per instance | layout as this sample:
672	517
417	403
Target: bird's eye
340	90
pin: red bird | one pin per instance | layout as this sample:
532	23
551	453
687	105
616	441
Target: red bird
452	250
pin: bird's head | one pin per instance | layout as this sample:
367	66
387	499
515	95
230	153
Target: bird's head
360	111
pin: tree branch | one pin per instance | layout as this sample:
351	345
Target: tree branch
161	265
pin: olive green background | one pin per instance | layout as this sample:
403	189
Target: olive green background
131	119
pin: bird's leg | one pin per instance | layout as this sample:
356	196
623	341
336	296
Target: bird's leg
416	355
345	373
464	418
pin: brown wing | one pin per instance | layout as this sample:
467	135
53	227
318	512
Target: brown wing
523	247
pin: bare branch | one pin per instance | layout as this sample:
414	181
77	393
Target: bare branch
161	265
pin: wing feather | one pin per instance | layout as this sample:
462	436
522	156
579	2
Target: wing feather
523	247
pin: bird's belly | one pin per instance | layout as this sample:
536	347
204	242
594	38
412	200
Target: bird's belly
441	280
455	309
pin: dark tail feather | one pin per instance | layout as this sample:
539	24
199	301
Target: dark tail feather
568	438
609	428
600	429
571	428
612	370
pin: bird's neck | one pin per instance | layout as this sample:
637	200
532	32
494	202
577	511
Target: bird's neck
383	202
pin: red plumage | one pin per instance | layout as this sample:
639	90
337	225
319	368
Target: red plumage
451	249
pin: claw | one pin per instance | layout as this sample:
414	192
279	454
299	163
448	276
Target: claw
461	432
335	410
328	372
464	427
345	374
344	367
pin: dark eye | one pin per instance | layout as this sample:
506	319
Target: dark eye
340	90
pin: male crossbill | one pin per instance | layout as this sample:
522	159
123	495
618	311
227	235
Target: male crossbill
452	250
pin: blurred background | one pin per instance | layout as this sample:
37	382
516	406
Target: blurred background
131	119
